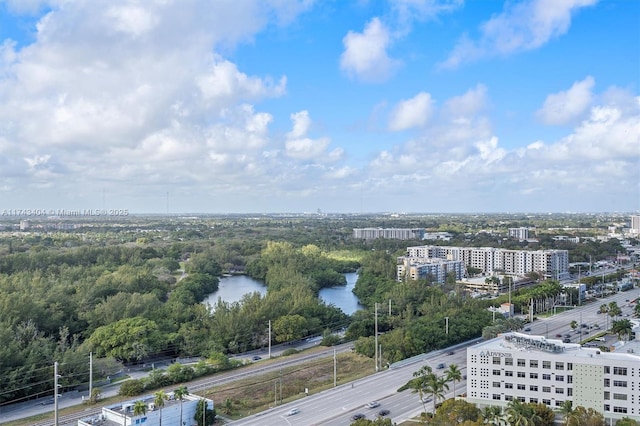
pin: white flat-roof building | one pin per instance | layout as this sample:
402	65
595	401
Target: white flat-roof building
122	414
539	370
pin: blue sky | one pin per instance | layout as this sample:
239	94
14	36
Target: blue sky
343	106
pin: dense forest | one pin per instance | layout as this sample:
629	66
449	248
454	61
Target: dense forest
132	291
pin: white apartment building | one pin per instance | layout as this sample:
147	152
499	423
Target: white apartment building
635	224
388	233
421	268
521	233
539	370
552	263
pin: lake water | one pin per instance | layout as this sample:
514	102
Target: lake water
231	289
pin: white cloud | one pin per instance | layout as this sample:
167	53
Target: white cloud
564	107
414	112
299	146
521	26
365	55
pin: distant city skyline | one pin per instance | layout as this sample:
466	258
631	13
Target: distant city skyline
264	106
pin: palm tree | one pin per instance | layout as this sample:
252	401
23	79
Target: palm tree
419	382
139	408
623	328
227	406
159	398
453	375
517	413
436	387
566	409
180	393
492	415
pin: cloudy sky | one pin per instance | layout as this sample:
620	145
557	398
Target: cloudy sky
297	105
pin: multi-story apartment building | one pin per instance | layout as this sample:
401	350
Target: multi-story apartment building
551	263
539	370
436	269
388	233
635	224
521	233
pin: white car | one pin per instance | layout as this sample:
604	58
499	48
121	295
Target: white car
293	411
373	404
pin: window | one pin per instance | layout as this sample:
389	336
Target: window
521	386
496	396
559	378
559	365
607	369
496	360
522	374
607	407
546	401
570	366
508	398
559	390
496	372
607	396
619	409
569	391
569	379
508	361
508	373
496	384
533	363
620	371
533	375
607	383
521	363
620	396
533	388
546	389
533	400
620	383
546	377
546	365
521	398
508	385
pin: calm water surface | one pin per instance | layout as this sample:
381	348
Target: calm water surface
231	289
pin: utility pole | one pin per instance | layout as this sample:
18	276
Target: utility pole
90	374
446	325
376	333
389	307
55	393
269	339
335	369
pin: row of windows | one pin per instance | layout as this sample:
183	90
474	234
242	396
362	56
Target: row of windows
533	363
532	388
522	374
498	397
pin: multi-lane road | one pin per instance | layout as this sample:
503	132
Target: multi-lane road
335	407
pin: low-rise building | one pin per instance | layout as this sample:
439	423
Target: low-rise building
539	370
122	414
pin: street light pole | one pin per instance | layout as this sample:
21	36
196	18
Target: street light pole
376	332
446	322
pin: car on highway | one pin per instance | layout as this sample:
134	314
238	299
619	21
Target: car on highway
293	411
373	404
441	366
566	340
47	401
358	416
256	358
383	412
450	353
527	329
558	335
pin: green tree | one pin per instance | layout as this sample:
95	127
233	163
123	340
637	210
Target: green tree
585	417
452	412
227	406
626	421
436	387
623	328
139	408
453	374
159	398
180	393
289	328
418	383
131	387
492	415
204	416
